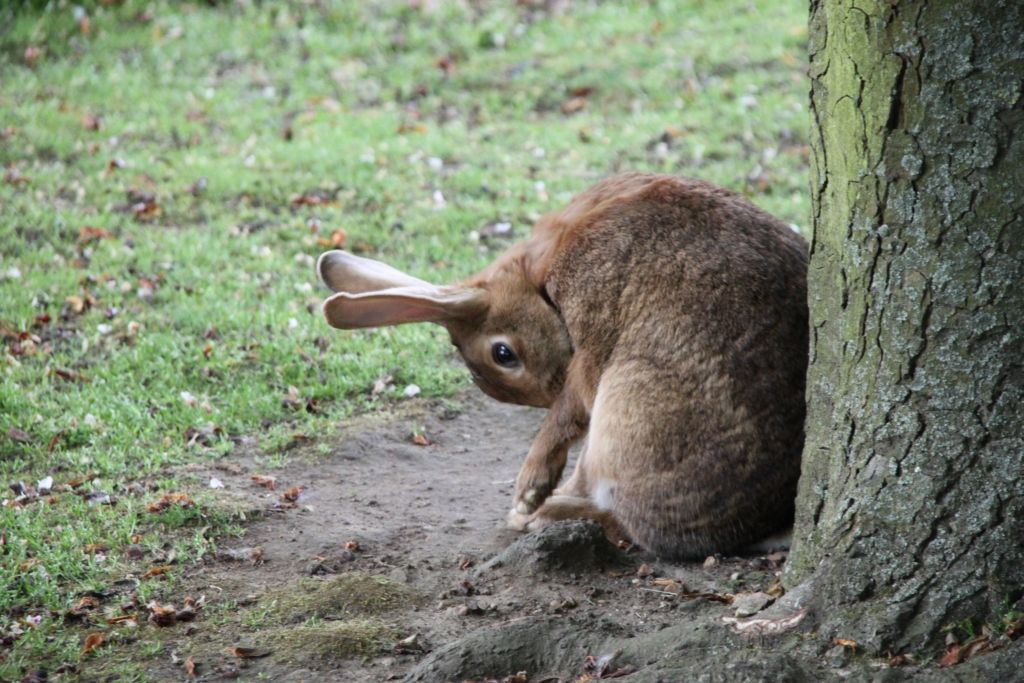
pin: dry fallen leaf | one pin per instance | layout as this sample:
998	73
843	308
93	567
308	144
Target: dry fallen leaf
724	598
845	642
162	615
954	655
190	666
573	105
352	546
90	233
644	571
90	122
31	56
92	641
666	584
156	571
127	619
292	494
266	482
248	652
420	439
169	499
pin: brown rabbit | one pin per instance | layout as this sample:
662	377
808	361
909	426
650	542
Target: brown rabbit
666	319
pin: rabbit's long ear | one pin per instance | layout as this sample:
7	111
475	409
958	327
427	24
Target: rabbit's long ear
344	272
399	305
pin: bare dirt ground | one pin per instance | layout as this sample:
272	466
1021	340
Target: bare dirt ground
395	564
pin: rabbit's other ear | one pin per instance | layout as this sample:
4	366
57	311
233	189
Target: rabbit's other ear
344	272
399	305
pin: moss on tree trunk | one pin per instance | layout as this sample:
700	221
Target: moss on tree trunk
911	504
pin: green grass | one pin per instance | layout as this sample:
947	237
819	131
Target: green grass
221	116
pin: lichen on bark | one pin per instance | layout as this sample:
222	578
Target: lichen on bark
911	502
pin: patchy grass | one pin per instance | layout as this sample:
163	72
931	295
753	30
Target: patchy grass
171	171
345	595
329	640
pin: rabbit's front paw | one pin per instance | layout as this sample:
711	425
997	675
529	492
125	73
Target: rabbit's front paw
529	498
517	520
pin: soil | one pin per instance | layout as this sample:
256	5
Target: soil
394	563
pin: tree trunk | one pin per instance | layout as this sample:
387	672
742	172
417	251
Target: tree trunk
911	503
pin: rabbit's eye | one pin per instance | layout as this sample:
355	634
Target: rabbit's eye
503	355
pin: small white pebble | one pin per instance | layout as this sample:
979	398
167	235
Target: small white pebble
410	391
188	398
292	323
748	101
89	420
104	328
14	273
435	163
216	483
304	287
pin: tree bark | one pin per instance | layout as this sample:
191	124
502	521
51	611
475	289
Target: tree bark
910	513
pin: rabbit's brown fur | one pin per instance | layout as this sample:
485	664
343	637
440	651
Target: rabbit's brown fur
665	319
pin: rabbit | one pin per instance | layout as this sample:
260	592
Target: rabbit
662	318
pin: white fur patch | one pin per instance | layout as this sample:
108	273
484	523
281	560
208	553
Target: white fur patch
779	541
603	493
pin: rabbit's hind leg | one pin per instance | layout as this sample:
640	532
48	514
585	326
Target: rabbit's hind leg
558	508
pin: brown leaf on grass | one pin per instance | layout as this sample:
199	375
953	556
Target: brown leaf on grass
414	127
54	440
248	652
420	439
87	602
31	56
83	607
574	105
70	375
93	548
92	641
190	667
446	63
146	211
90	122
267	482
91	233
169	499
162	615
845	642
338	238
292	494
78	481
122	619
159	570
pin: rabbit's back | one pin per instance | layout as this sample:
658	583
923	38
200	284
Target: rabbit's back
691	303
